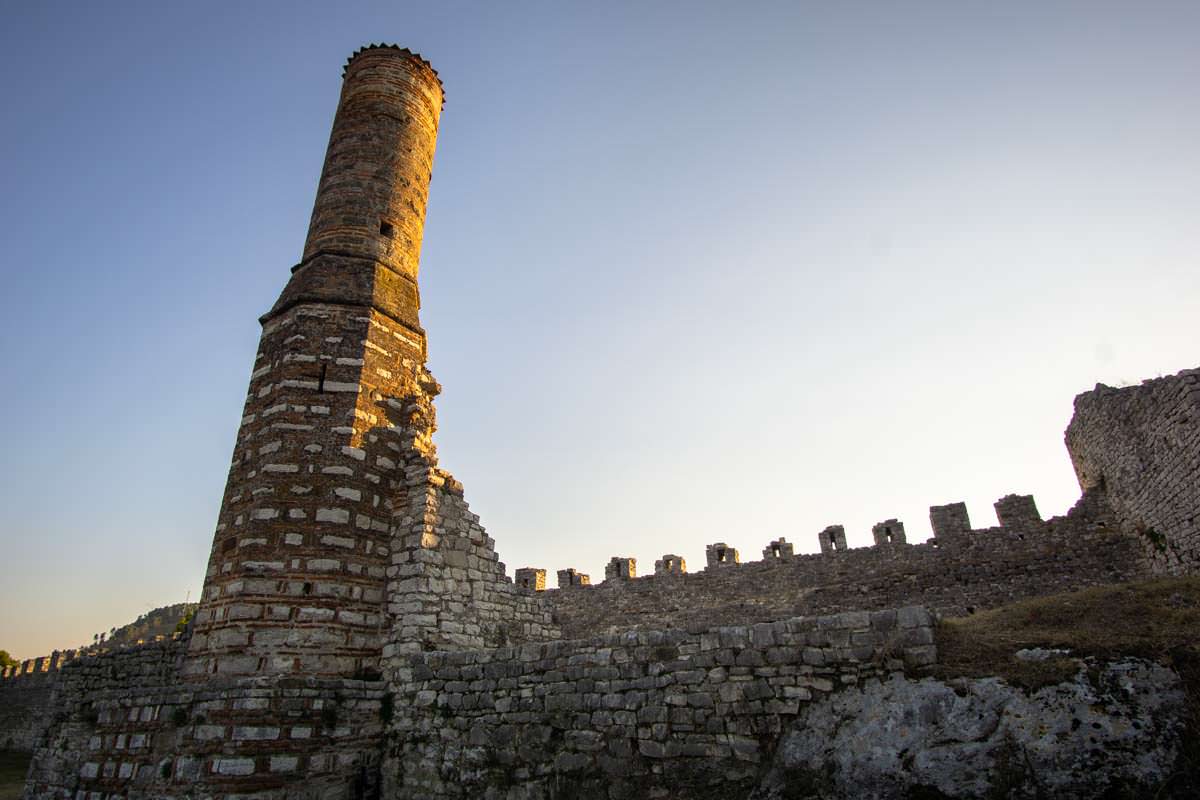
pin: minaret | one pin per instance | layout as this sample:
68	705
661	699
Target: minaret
297	576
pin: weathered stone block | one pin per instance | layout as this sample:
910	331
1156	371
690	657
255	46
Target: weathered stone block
620	569
777	549
721	555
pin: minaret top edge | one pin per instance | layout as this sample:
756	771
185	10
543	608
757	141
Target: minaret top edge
411	54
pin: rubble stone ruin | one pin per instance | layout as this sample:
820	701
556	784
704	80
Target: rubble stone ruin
358	636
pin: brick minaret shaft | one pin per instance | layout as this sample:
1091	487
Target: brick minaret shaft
296	580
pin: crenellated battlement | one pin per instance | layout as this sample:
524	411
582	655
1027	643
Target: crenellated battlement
1015	512
48	666
670	564
38	667
957	571
778	548
571	577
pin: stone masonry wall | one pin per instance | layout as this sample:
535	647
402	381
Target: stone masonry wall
336	512
674	713
23	704
298	567
1140	445
26	693
125	725
447	587
953	574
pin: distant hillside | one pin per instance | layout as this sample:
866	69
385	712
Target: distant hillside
159	622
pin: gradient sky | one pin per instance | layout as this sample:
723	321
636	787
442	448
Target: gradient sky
692	272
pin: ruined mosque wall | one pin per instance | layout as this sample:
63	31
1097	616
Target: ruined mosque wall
959	571
1141	446
637	714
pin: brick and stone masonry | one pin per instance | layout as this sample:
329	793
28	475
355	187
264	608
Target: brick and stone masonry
341	545
336	519
297	576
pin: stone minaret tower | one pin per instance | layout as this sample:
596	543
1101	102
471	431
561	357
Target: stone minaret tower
297	577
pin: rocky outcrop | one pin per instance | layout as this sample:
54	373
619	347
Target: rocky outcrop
1114	730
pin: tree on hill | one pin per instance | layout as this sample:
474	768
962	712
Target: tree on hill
6	660
164	622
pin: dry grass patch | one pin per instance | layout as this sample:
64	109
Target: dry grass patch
1158	620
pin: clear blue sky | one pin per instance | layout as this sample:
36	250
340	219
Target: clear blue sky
692	272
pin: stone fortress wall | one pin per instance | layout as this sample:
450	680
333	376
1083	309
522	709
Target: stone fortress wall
651	678
955	573
1140	446
24	697
359	637
631	714
127	724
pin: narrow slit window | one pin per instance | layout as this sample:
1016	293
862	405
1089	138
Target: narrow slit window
386	229
321	378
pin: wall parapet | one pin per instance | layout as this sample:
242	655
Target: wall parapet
1015	513
955	574
46	667
572	577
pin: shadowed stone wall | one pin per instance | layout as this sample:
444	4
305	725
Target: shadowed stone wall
23	703
125	724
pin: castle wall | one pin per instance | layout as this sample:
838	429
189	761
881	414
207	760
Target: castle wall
26	698
1140	445
448	589
954	574
23	704
125	724
674	713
